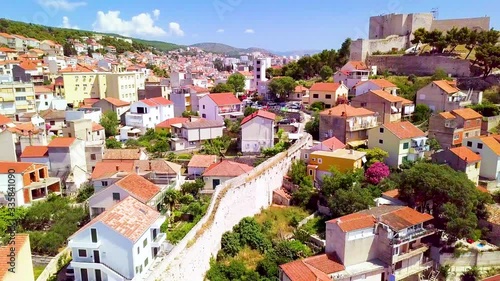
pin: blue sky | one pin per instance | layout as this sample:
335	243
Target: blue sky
279	25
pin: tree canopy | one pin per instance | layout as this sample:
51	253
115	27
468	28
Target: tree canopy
110	122
237	81
282	87
223	88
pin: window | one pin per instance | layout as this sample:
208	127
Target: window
305	156
116	196
258	62
20	98
98	276
82	253
406	145
320	160
104	183
93	235
310	172
138	249
258	76
467	123
380	141
469	144
315	96
477	165
381	130
313	159
363	104
93	157
52	123
455	137
466	135
146	261
203	106
204	115
328	105
328	96
69	135
145	243
405	158
258	69
399	265
85	276
479	146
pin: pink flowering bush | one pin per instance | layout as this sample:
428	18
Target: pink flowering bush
376	173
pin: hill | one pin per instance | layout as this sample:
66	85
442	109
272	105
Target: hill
60	35
226	49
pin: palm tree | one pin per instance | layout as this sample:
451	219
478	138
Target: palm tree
171	197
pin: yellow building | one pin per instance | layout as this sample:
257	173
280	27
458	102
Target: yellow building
15	261
321	162
17	97
124	85
328	93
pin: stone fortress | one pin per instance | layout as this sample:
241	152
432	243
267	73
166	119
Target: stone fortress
395	31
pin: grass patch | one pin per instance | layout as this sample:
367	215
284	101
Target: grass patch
282	220
248	256
37	270
316	225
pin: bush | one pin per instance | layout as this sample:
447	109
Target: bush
192	187
230	243
85	192
376	173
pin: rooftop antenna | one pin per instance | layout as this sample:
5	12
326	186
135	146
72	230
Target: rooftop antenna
435	13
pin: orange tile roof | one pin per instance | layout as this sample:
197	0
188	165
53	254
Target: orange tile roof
202	161
43	89
7	50
130	218
260	113
167	123
6	35
492	143
446	86
199	90
359	65
404	130
18	167
493	278
35	151
315	268
393	193
116	102
404	217
482	189
96	127
156	101
4	120
382	83
447	115
333	143
300	89
139	187
122	154
19	241
77	68
245	73
222	99
467	113
227	168
354	221
346	111
466	154
61	142
157	165
28	65
386	96
325	87
107	169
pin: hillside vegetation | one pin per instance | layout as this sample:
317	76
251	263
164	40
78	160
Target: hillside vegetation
226	49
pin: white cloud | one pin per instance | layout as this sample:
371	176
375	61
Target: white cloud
249	30
142	24
156	14
67	24
62	4
220	30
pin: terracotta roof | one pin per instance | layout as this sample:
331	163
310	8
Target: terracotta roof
245	73
447	115
89	101
359	65
300	89
122	154
35	151
156	101
467	113
108	169
199	90
221	99
354	221
260	113
61	142
4	120
53	114
227	168
315	268
325	87
465	154
43	90
333	143
404	217
202	161
7	50
346	111
482	189
139	187
129	217
492	143
18	167
77	68
28	65
6	35
19	241
168	122
116	102
202	123
393	193
446	86
96	127
404	130
158	166
492	278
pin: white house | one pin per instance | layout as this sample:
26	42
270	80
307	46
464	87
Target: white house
220	106
145	114
488	147
257	131
375	84
68	161
190	134
120	244
352	73
222	171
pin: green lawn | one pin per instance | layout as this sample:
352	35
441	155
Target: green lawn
37	270
316	225
248	256
281	219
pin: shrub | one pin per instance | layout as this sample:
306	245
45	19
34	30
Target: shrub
376	173
230	243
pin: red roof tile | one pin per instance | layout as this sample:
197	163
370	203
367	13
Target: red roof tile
116	102
354	221
393	193
96	127
325	87
466	154
221	99
300	89
404	217
227	168
202	161
139	187
18	167
61	142
447	86
28	65
35	151
199	89
359	65
382	83
167	123
467	113
122	154
20	240
43	90
259	113
107	169
4	120
333	143
346	111
404	130
386	96
156	101
447	115
315	268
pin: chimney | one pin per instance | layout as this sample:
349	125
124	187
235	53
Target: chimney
137	169
117	168
343	114
341	82
150	166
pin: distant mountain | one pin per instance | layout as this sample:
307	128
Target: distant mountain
226	49
296	53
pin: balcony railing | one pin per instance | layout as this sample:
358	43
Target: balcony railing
415	250
362	126
159	239
419	149
421	232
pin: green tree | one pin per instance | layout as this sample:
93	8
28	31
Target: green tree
110	122
488	57
84	192
172	196
69	50
219	64
223	88
237	81
298	173
249	111
132	143
282	87
192	187
348	201
433	144
312	126
471	274
374	155
440	74
422	113
112	143
437	40
326	72
216	146
188	113
230	243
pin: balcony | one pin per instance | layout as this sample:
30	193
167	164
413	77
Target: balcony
158	241
419	149
112	274
84	244
412	251
362	126
410	236
409	271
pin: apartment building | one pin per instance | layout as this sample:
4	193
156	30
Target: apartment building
32	183
488	147
344	160
112	104
124	85
257	131
259	82
443	95
352	73
220	106
461	159
120	244
187	98
146	114
68	161
391	108
330	94
450	129
17	97
375	84
190	135
382	243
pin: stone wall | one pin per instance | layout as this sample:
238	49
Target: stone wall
420	65
362	48
235	199
51	268
482	23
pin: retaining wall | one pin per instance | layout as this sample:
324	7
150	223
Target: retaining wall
235	199
51	268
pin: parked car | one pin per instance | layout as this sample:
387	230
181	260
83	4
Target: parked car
284	122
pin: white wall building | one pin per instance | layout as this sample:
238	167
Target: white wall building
146	114
257	131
